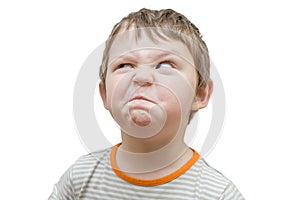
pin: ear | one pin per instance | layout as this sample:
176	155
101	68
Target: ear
202	96
103	94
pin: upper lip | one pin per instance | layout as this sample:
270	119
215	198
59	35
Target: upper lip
141	97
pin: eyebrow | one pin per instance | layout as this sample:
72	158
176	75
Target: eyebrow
131	57
160	55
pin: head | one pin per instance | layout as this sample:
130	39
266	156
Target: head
154	33
174	26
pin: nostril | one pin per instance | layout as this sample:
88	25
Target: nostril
143	77
143	81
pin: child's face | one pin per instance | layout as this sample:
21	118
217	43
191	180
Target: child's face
150	87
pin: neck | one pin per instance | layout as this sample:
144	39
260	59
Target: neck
144	156
152	156
153	165
169	138
149	145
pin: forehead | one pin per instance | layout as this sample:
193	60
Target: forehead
137	41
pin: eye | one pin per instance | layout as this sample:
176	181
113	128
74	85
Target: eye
125	65
164	65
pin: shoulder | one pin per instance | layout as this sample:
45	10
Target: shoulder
88	162
70	183
92	158
214	184
209	173
87	166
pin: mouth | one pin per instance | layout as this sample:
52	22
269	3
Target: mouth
141	98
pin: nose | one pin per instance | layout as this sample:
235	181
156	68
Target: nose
143	76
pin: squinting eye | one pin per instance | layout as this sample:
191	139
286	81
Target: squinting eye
125	65
164	65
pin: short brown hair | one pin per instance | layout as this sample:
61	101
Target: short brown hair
175	26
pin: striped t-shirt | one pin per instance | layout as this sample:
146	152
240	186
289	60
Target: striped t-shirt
96	176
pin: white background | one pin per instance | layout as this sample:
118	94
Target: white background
254	44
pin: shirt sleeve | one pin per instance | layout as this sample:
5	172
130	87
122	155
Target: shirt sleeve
231	193
63	190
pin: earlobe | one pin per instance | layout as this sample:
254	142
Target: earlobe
103	94
203	95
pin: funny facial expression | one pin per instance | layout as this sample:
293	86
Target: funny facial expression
150	86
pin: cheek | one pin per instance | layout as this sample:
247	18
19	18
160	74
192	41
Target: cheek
177	93
116	89
179	86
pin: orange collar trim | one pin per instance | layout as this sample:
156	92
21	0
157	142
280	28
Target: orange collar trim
151	182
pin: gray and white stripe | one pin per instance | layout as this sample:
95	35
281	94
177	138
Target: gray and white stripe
94	179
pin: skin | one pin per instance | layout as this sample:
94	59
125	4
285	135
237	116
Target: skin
150	92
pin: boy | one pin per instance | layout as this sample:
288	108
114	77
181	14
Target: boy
154	76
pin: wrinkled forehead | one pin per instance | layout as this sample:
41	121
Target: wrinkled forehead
140	39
